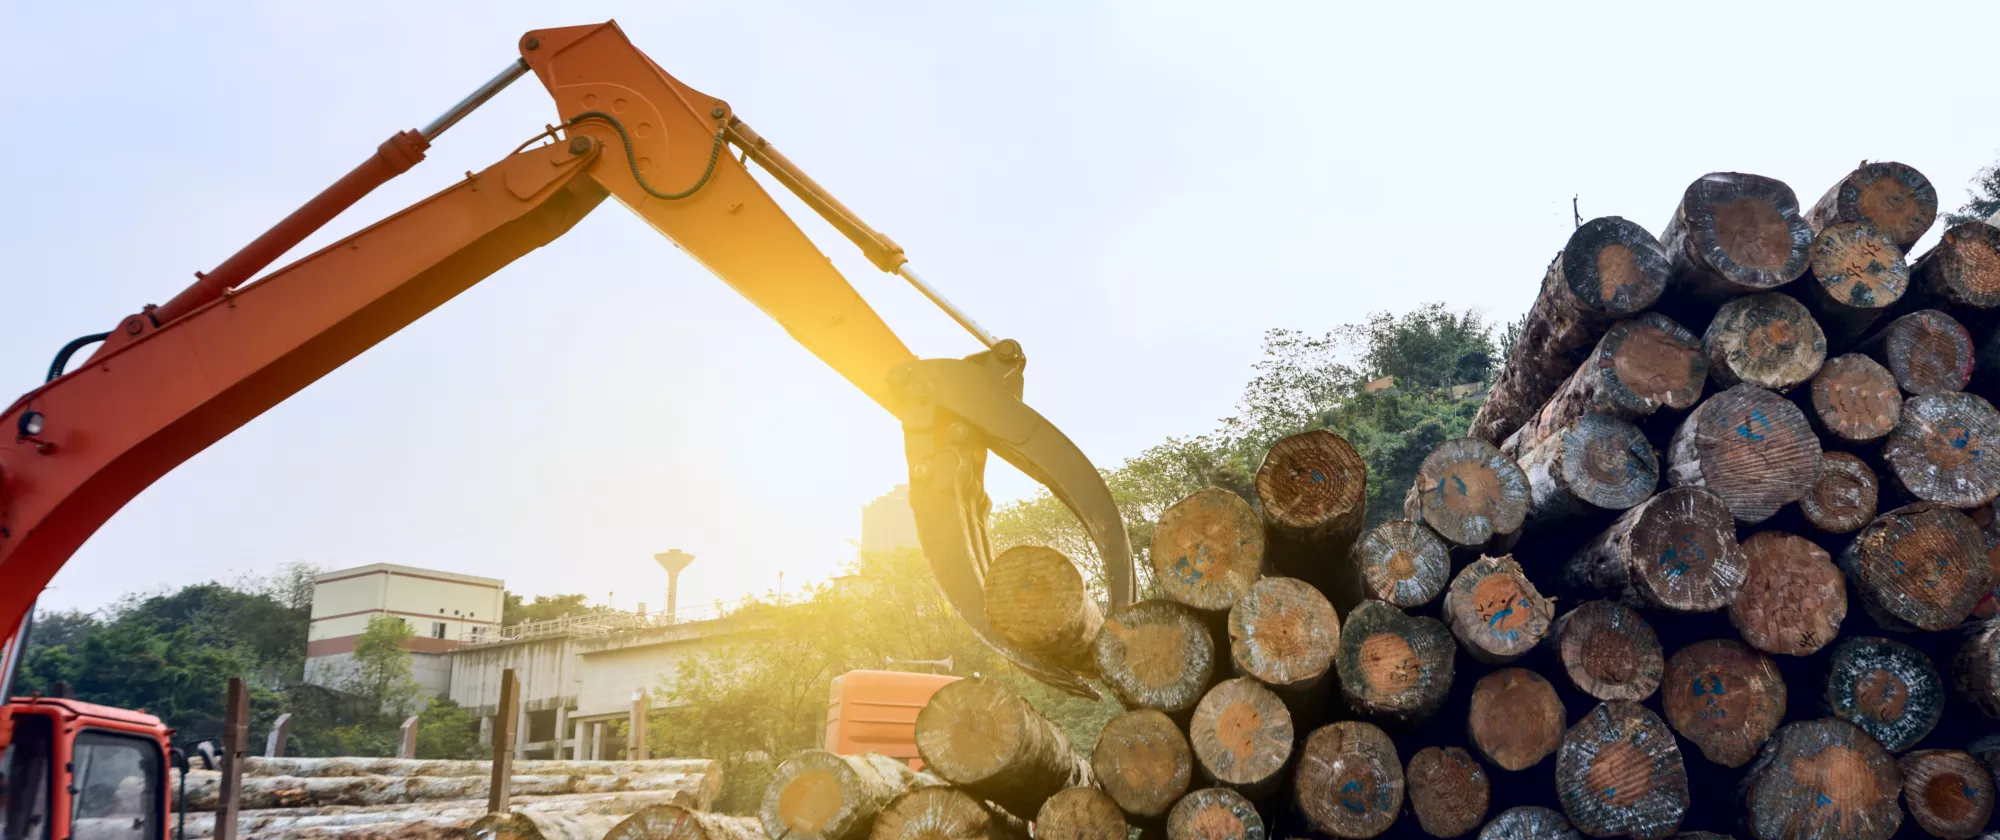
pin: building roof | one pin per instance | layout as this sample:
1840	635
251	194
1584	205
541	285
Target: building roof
407	571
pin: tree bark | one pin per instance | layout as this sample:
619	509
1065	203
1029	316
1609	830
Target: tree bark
1402	562
942	813
1495	611
1844	497
1943	450
1927	351
1609	652
978	734
1448	791
1284	634
1156	655
1823	778
1037	601
354	766
1394	666
1619	772
1214	814
1736	234
1889	689
1724	698
1469	493
1207	549
520	825
1641	365
1143	761
1349	783
1893	197
817	795
1610	269
1750	447
1676	552
1976	667
261	792
1528	822
1516	719
1593	467
1950	792
1919	566
1793	597
1856	275
1962	271
1242	736
672	822
1855	399
1313	490
443	816
1768	340
1080	813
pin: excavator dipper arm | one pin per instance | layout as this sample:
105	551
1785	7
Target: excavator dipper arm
172	380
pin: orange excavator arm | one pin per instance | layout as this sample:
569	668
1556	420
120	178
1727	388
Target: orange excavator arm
173	379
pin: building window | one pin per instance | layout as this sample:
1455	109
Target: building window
437	629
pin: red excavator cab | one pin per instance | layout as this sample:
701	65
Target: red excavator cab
876	711
84	771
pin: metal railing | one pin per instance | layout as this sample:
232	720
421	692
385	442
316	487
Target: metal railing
604	621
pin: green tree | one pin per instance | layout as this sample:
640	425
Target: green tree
514	611
1982	200
381	675
447	730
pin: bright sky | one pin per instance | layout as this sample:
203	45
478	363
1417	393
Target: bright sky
1135	191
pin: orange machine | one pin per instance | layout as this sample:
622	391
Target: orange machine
876	711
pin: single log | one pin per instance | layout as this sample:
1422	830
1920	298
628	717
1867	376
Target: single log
1641	365
1939	451
1609	652
1516	718
353	766
1735	234
672	822
1975	667
1393	665
817	795
1528	822
1844	497
1610	269
1963	270
1080	813
1950	793
1448	791
456	815
1143	761
978	734
1402	562
1214	814
1887	688
520	825
1596	464
1037	601
1313	491
1156	655
942	813
1283	634
204	789
1469	493
1768	340
1619	772
1749	446
1855	399
1495	611
1675	552
1207	549
1725	698
1793	597
1893	197
1921	566
1823	779
1927	351
1856	274
1242	736
1349	783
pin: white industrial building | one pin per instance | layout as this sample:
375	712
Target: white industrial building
441	608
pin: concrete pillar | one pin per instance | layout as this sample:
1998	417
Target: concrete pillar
561	731
521	739
576	742
597	741
486	731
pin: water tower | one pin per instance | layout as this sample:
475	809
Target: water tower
673	560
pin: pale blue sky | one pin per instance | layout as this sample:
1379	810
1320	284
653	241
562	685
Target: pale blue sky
1136	191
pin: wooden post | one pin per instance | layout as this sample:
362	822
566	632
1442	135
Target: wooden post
1156	655
1949	792
1640	366
1036	600
1963	271
1592	468
1349	782
1893	197
1768	340
1609	269
1793	597
1675	552
281	731
1856	275
1855	399
1844	497
235	744
1735	234
1528	822
978	734
1402	562
1942	450
635	731
1724	697
1889	689
1448	791
943	813
1516	719
1927	351
1749	446
1976	667
817	795
1619	772
1284	634
1242	736
406	738
1313	490
1207	549
1921	566
1609	652
1214	814
1143	761
506	725
1080	813
1825	777
1495	611
1392	665
1469	493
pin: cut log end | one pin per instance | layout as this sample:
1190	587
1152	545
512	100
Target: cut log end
1495	611
1844	497
1610	652
1143	762
1214	814
942	813
1157	655
1927	351
1824	778
1528	822
1893	197
1448	790
1976	668
1857	267
1080	813
673	822
1749	446
1620	772
1607	463
1676	552
1641	365
1946	449
1793	598
1949	792
1922	566
1725	698
980	735
1856	399
1242	736
1402	562
1516	719
1207	549
1393	665
1469	493
1735	234
1313	486
1283	633
817	795
1613	267
1888	689
1768	340
1349	782
1964	269
1037	601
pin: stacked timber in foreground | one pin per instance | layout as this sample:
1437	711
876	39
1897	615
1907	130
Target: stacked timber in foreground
1717	555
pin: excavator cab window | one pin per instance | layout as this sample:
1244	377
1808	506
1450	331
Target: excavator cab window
24	789
117	787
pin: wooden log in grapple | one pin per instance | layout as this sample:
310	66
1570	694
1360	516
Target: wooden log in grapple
1620	772
1943	450
1889	689
1394	666
1724	697
1893	197
1927	351
1349	783
1402	562
943	813
1856	275
1242	736
1736	234
1156	654
817	795
1469	493
1495	611
1609	652
1448	791
1854	399
1312	489
1214	814
1609	269
1921	566
1949	792
1516	720
978	734
1844	498
1676	552
1207	549
1749	446
1768	340
1284	634
1080	813
1963	270
1144	763
1823	779
1793	597
1036	600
